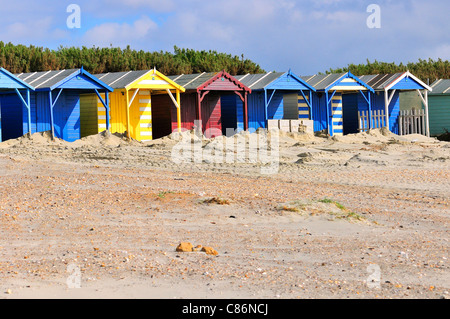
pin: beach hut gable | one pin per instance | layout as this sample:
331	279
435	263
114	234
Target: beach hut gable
9	81
407	81
289	81
349	82
223	81
80	81
157	81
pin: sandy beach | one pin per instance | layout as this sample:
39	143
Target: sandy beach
359	216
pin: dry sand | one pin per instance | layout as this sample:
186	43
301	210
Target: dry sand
359	216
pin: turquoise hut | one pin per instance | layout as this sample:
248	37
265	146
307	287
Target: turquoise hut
439	107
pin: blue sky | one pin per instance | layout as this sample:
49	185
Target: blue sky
305	36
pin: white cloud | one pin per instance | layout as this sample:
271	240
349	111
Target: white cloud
39	29
119	34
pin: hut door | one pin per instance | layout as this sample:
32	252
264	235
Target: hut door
350	113
212	115
161	116
229	114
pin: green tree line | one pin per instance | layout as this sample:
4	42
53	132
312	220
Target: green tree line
23	59
426	70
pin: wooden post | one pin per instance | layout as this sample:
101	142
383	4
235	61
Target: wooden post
51	114
199	112
423	122
179	111
128	114
108	114
427	122
29	111
386	107
359	121
245	112
400	123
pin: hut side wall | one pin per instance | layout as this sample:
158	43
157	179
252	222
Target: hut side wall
439	113
88	115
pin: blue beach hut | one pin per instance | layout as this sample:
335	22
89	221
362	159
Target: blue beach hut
55	105
327	102
274	97
387	99
10	85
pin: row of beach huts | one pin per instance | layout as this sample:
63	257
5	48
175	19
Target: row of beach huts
147	104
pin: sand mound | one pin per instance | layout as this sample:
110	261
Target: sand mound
383	135
105	138
417	138
40	138
379	135
45	139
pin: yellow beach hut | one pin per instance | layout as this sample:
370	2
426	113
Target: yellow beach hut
132	111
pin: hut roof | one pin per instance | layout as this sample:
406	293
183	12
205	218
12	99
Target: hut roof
13	81
325	82
119	80
258	81
380	82
53	79
441	86
322	81
199	81
45	79
192	81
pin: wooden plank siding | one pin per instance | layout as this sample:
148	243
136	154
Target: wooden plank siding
290	106
303	108
337	118
212	112
439	114
88	115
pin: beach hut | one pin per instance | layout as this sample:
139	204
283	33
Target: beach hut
439	107
11	88
275	96
135	108
54	105
386	101
327	101
205	101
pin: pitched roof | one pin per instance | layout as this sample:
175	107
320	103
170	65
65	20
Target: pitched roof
53	79
381	82
199	80
192	81
45	79
16	82
258	81
441	86
119	80
322	81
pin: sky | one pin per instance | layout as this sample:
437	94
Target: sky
305	36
